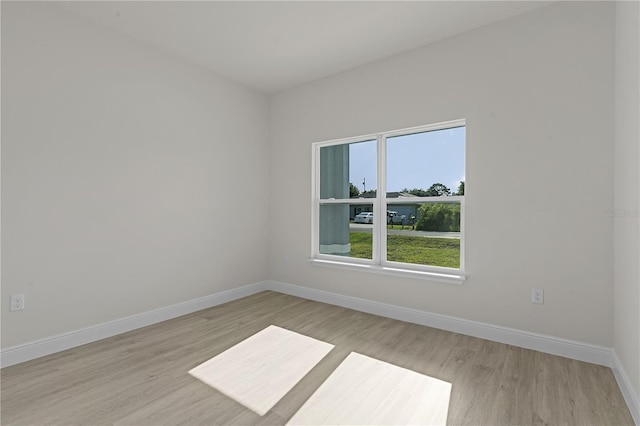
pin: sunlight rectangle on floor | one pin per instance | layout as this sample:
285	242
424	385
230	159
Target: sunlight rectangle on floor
261	369
364	390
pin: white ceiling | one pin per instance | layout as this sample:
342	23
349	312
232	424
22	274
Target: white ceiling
273	45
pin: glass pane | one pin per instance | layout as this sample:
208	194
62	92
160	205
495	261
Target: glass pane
428	235
363	163
348	170
346	230
426	164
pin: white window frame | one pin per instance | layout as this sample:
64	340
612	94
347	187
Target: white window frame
379	263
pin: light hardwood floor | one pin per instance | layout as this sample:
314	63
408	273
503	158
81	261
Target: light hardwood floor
140	378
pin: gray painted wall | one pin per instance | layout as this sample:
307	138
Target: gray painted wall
537	95
118	166
627	192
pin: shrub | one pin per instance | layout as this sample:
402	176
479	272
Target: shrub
440	217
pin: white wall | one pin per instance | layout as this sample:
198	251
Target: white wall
537	94
626	227
124	174
121	167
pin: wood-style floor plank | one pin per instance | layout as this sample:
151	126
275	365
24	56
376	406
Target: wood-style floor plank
141	377
262	369
364	390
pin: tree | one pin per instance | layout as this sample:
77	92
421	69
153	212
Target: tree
460	188
437	190
354	192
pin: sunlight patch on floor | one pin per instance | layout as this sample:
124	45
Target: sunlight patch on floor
366	391
260	370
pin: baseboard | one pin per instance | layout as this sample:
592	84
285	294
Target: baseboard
61	342
632	399
548	344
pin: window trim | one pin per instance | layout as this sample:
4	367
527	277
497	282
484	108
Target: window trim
379	263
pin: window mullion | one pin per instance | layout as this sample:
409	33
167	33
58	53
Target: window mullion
380	232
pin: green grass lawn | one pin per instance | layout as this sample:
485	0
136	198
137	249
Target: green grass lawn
409	249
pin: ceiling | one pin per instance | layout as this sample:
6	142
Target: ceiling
274	45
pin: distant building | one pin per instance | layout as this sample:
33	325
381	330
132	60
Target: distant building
402	209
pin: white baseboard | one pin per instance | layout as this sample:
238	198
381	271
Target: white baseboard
61	342
575	350
548	344
632	399
552	345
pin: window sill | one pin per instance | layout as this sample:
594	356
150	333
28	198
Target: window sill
457	279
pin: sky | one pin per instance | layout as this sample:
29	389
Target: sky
413	161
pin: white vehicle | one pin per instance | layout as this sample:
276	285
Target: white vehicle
364	217
395	217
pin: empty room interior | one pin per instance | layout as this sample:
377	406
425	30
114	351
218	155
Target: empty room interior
194	198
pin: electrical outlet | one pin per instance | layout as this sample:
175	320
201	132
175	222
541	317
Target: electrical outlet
537	295
17	302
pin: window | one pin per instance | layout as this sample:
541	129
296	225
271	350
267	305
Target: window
392	202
